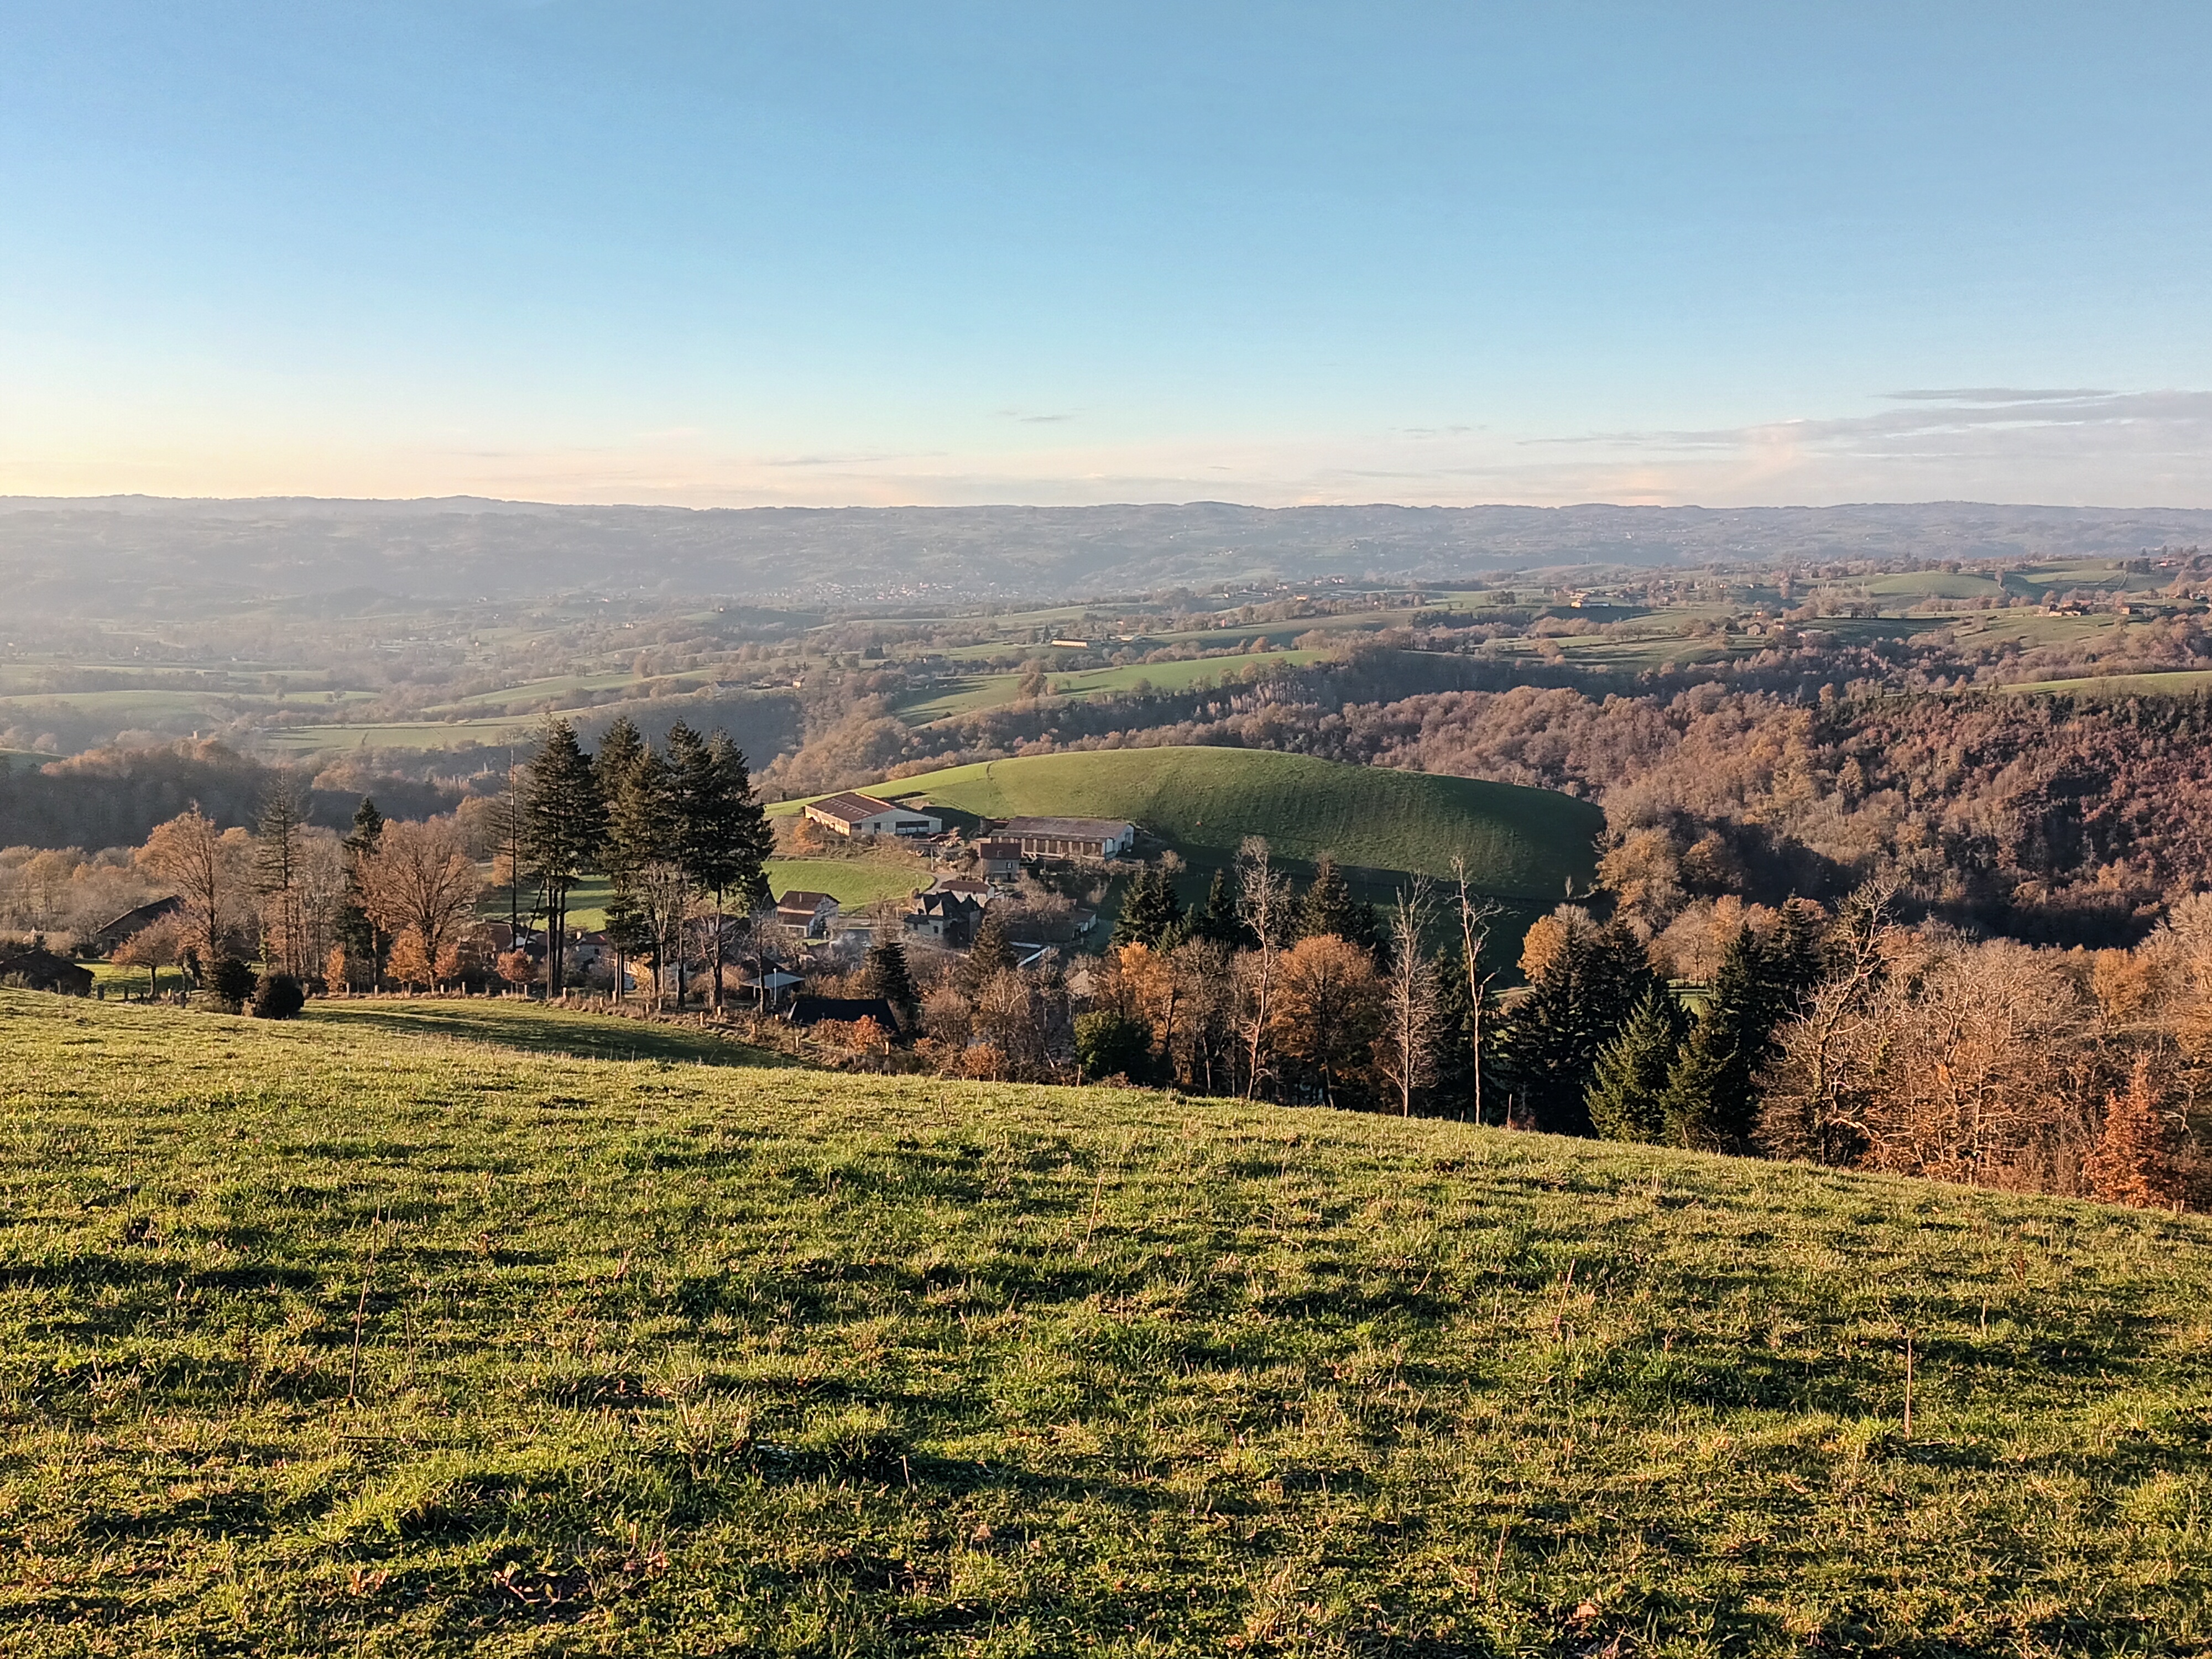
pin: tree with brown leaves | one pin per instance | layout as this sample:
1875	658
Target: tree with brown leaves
421	877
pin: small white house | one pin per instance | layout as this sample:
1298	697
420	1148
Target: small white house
854	814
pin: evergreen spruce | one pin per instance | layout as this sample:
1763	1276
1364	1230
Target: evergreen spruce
1794	964
723	837
564	823
1630	1079
642	856
1711	1101
886	975
1547	1044
621	749
1458	1030
992	953
1329	907
1150	913
1218	922
360	935
630	840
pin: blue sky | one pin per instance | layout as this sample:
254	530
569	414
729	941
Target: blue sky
729	254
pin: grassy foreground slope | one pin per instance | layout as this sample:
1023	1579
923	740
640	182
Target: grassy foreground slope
322	1339
1518	842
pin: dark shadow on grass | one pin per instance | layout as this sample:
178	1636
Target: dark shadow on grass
535	1031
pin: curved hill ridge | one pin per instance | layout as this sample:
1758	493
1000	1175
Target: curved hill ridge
1518	842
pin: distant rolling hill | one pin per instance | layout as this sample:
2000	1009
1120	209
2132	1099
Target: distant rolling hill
1520	845
141	554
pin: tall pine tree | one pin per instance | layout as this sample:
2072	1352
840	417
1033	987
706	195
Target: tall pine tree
886	975
651	899
1220	921
992	953
724	838
1548	1042
621	749
564	823
357	930
1150	913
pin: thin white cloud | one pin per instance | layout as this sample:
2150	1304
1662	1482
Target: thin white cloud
1997	394
2181	418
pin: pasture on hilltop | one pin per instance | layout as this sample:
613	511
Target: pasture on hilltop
1519	843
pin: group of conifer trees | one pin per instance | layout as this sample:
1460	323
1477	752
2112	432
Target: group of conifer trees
1601	1044
676	831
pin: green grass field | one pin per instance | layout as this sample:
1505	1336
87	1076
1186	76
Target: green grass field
853	883
399	734
1523	843
1934	585
356	1336
976	692
2174	683
530	694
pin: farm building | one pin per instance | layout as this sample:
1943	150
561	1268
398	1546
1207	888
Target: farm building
947	918
854	814
808	913
1063	838
113	933
998	859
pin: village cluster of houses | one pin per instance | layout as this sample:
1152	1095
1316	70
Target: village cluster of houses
948	911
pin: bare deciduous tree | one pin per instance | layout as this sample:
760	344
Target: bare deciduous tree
1262	898
202	865
1475	914
1406	1052
1929	1055
421	876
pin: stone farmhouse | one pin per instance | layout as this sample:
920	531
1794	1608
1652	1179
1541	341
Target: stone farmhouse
808	915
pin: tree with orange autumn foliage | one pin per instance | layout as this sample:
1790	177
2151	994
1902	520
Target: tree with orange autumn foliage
2137	1159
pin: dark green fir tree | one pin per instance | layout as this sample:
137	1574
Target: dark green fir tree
1329	907
886	975
1711	1101
1218	922
1150	913
1629	1082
